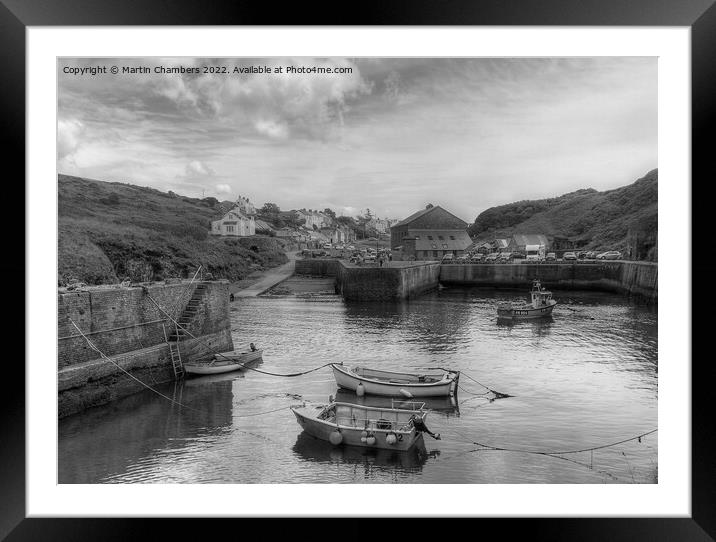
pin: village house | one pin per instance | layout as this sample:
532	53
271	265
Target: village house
430	234
313	218
519	241
379	225
500	245
240	221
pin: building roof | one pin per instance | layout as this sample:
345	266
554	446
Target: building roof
412	218
263	225
501	243
451	239
529	239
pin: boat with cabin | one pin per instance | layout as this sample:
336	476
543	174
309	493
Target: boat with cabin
378	382
224	362
397	428
541	304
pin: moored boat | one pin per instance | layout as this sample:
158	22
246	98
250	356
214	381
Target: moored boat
378	382
223	362
540	305
368	427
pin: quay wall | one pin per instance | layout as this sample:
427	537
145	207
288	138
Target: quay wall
317	267
125	325
362	283
639	279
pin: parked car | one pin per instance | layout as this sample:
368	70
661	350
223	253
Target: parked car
610	255
448	258
590	255
492	257
551	257
327	245
569	256
518	255
477	257
463	258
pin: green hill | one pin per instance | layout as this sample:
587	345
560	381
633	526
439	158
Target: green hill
585	219
111	231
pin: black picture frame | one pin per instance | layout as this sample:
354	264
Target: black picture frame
17	15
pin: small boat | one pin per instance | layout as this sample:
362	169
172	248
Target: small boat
359	425
223	362
378	382
541	304
443	405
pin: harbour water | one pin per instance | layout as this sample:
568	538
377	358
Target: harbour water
582	379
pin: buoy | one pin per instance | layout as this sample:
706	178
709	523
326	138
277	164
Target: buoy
360	390
364	434
370	440
406	393
336	438
391	438
364	439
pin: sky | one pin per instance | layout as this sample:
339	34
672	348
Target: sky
388	134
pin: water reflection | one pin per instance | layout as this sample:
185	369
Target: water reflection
310	448
435	326
540	327
107	440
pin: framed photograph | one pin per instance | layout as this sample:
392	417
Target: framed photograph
304	270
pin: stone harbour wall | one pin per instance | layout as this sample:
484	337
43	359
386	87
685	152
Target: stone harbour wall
128	328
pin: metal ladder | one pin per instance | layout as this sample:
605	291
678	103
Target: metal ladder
177	364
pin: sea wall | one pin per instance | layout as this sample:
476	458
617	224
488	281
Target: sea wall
128	327
632	278
401	280
317	267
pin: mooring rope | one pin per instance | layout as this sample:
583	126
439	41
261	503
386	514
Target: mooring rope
96	349
243	365
498	395
496	448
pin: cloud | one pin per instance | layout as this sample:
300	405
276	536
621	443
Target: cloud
69	133
197	167
272	129
223	189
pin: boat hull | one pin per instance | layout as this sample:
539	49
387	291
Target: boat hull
352	436
524	313
349	380
225	362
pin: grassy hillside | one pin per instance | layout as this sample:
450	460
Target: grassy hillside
585	219
112	231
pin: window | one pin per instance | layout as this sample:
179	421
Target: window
434	245
452	237
435	253
441	237
445	245
430	237
229	228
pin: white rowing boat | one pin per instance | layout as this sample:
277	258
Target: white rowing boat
378	382
223	362
359	425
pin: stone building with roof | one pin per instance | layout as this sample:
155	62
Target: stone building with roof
429	234
519	241
238	222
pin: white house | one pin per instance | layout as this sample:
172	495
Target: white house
313	218
239	222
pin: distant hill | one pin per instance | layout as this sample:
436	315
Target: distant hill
585	219
111	231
